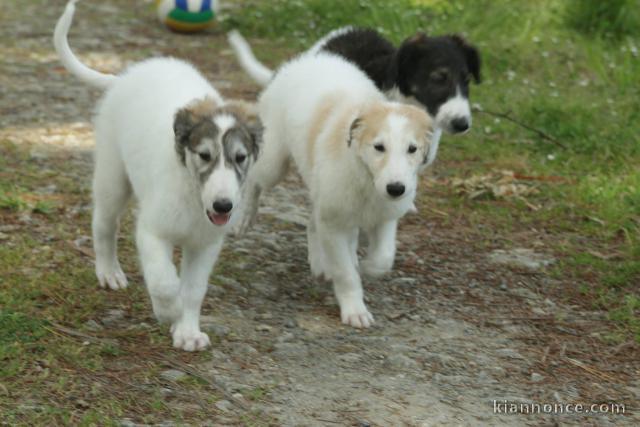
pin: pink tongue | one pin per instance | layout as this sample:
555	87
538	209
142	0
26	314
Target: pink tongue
219	219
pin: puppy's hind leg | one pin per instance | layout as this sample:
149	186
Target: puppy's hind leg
271	167
111	191
315	253
194	274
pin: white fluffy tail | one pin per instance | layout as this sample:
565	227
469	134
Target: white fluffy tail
69	60
257	70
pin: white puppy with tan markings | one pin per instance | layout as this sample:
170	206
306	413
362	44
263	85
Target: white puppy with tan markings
358	154
166	135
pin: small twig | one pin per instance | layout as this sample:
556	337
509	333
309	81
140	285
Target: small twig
592	371
75	333
506	116
545	355
328	421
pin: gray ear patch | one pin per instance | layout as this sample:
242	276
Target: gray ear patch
193	122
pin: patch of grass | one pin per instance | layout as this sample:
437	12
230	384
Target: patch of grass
612	18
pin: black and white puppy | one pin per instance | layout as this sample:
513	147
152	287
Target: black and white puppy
432	72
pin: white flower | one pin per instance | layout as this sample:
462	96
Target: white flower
551	156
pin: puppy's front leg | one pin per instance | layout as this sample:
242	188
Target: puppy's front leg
195	269
382	249
337	246
159	274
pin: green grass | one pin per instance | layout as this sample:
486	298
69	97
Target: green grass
577	83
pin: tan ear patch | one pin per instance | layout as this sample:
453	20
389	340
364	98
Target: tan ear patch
246	111
373	118
200	108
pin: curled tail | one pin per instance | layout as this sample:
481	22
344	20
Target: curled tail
258	71
69	60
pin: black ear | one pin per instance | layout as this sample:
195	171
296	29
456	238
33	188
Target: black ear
471	55
406	61
353	129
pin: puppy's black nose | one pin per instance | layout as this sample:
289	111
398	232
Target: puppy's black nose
395	189
461	124
222	205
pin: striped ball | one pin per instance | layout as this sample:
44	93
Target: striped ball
187	16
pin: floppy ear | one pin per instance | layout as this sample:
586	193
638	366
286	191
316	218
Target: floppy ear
248	113
353	129
406	60
183	123
471	55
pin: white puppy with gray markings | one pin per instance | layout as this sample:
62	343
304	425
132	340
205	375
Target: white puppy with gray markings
358	154
166	135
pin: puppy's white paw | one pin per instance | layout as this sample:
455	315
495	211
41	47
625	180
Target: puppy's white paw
375	268
189	339
355	313
113	278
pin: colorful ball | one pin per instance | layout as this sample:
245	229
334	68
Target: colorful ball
187	16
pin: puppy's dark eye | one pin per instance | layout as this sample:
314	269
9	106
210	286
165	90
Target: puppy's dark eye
412	149
438	77
379	147
240	157
206	157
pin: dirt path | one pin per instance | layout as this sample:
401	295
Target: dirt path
455	328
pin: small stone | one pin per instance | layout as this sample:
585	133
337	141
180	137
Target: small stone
126	422
232	284
263	328
246	349
264	289
264	316
224	405
216	290
520	257
287	349
172	375
92	325
290	323
113	316
400	361
287	336
536	377
219	331
350	357
80	403
510	353
82	241
3	236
